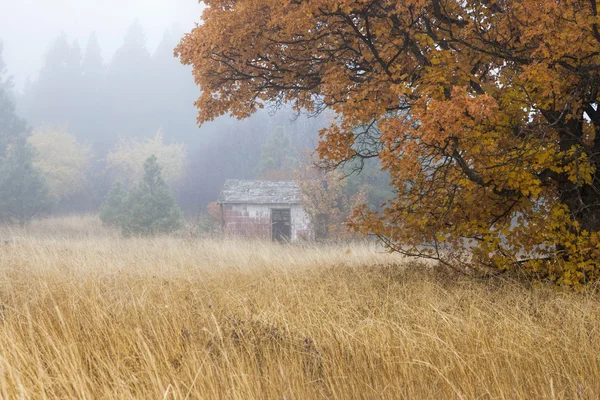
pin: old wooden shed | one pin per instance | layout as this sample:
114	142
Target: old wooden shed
269	210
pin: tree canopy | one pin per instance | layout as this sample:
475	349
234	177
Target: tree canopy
486	111
127	158
277	159
24	193
11	125
61	158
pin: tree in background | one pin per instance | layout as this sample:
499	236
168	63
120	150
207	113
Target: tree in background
134	95
327	202
209	221
126	160
24	192
10	124
174	92
367	176
89	119
277	161
54	95
63	160
148	209
92	64
112	209
495	166
130	88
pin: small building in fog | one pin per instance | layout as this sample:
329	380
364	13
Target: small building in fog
270	210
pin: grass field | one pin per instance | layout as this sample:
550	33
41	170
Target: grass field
86	314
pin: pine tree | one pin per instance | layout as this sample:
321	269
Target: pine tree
52	95
112	210
276	157
24	192
92	65
10	124
130	89
150	208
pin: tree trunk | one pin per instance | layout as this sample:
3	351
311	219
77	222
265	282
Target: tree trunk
583	200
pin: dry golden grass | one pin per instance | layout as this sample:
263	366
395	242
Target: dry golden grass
97	316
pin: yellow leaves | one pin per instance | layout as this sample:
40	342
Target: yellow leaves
61	158
325	200
126	159
336	143
579	170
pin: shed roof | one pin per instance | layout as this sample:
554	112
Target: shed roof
259	192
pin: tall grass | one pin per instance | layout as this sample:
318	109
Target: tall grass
98	316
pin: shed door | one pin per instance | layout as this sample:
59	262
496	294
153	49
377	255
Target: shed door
281	224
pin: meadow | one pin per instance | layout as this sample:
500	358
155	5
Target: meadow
87	314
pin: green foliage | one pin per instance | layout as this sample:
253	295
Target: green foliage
276	154
369	175
206	224
112	210
24	192
10	124
146	210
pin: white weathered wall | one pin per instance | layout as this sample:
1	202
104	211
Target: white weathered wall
255	220
301	226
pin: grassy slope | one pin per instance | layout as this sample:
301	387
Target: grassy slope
97	316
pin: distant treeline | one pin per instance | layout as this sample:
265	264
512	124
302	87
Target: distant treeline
135	94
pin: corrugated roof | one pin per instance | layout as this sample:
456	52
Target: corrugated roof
259	192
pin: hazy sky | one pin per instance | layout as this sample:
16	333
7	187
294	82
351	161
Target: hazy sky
27	27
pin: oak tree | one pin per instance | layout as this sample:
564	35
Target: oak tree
486	112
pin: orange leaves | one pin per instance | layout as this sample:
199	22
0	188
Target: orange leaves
486	114
336	144
327	203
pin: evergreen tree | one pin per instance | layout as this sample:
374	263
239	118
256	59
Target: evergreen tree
112	210
276	157
92	66
74	61
148	209
130	90
24	192
10	124
90	121
171	108
53	98
368	174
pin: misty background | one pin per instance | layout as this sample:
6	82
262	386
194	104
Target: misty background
105	76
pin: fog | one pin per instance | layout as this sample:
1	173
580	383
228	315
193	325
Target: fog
91	80
28	26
